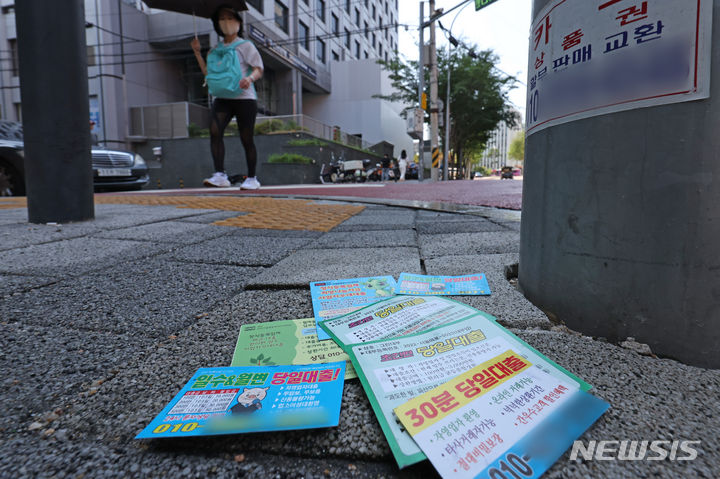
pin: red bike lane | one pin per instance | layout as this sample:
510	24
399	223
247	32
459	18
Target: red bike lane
487	192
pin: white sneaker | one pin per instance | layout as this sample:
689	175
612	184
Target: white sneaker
219	180
250	183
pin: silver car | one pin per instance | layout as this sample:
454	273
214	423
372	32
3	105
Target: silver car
112	169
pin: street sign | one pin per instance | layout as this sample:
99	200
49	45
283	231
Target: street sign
437	157
423	103
483	3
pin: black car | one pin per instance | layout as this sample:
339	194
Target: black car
112	169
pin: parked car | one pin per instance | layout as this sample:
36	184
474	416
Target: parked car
112	169
477	175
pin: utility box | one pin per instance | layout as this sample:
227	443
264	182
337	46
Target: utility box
415	123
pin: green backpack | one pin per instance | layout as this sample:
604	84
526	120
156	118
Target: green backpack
223	70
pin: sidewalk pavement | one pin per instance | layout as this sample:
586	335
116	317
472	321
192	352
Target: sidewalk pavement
104	321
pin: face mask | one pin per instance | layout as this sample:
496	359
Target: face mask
229	27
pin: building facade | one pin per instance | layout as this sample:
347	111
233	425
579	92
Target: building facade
495	155
144	81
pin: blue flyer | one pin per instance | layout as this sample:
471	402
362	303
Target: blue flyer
234	400
419	284
338	297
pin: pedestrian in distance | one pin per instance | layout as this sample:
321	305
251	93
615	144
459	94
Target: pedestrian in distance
402	164
233	67
385	168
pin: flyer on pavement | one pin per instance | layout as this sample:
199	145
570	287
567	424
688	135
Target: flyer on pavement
337	297
419	284
503	418
397	316
395	370
291	341
252	399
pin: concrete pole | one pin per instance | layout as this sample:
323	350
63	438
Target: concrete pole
433	92
55	110
620	223
421	89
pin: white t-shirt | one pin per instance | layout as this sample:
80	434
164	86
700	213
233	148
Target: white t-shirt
249	59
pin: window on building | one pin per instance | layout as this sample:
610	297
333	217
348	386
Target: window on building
366	3
281	16
335	56
18	111
357	49
386	8
15	68
335	23
374	12
373	40
366	54
347	6
357	17
256	4
304	35
321	51
367	31
347	39
386	58
320	6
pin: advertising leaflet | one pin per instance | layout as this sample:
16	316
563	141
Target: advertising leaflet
593	58
291	341
337	297
503	418
419	284
251	399
395	370
395	317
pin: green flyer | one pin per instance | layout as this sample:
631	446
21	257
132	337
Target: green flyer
292	341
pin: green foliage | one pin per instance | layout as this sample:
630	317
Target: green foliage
517	147
478	94
275	126
268	126
195	131
291	158
484	170
306	142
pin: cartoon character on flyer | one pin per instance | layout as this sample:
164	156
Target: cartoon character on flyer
381	287
250	400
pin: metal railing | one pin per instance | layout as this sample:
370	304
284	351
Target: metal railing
314	127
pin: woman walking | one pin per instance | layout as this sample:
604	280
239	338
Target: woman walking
402	164
231	81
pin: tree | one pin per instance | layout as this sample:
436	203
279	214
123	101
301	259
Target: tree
478	96
517	147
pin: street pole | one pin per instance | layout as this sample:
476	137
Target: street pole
447	96
447	118
421	89
55	110
433	92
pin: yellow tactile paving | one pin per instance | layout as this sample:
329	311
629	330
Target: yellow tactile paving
8	203
263	213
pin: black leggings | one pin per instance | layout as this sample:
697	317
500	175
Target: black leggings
222	112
